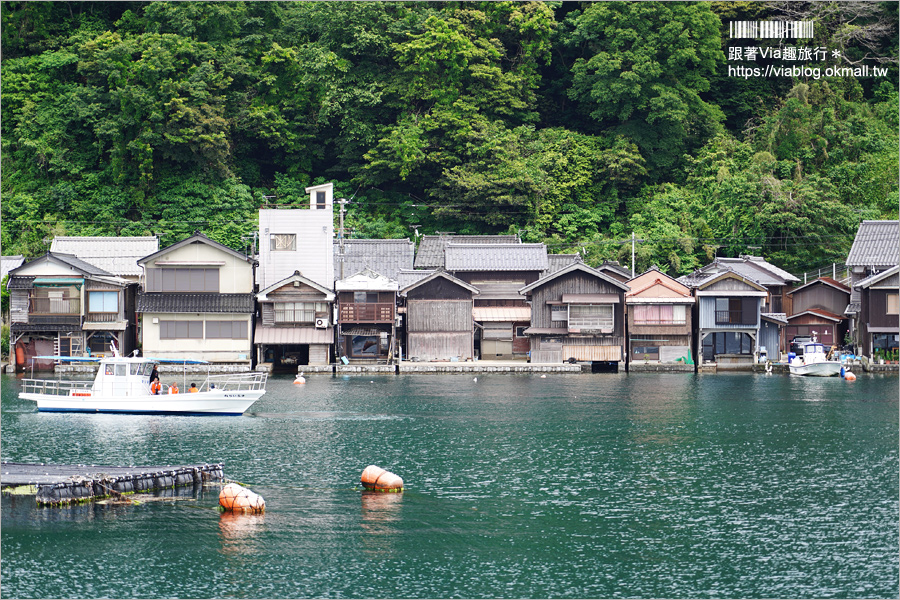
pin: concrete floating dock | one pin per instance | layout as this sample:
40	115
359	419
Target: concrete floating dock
65	484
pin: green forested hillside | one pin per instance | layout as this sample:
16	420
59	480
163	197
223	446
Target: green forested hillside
574	124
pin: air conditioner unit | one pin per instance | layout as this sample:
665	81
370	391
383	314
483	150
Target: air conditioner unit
321	323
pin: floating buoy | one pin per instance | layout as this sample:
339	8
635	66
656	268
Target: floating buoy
543	377
237	498
850	376
376	478
300	378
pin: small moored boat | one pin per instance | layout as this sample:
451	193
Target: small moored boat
122	385
814	362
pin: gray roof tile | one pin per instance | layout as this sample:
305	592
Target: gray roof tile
118	255
496	257
877	244
155	302
386	257
8	263
430	254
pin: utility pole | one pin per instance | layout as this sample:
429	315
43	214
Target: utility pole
342	202
632	255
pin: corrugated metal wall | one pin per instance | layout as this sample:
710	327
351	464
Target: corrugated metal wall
707	320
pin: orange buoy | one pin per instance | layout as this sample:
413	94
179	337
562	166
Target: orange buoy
237	498
20	354
849	376
300	379
376	478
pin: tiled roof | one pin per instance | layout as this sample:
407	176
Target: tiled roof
822	280
8	263
555	262
819	313
873	279
196	238
496	257
430	254
117	255
385	257
155	302
877	243
776	317
85	267
20	283
753	268
406	278
614	268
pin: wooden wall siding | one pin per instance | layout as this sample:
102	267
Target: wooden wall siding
810	319
18	306
730	284
821	296
576	282
877	305
347	297
439	316
439	289
268	314
666	330
603	353
547	356
707	319
593	341
301	294
672	340
439	346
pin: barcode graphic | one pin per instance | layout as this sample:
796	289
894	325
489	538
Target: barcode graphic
771	29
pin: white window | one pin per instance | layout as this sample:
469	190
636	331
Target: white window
284	242
893	304
299	312
559	314
591	316
103	302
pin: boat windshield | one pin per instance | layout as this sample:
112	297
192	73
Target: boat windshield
815	349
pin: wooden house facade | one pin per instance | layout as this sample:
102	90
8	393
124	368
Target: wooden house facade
728	319
818	309
61	305
879	305
439	325
660	323
577	313
367	317
500	313
875	249
295	324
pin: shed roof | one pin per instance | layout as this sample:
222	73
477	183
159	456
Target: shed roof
501	314
495	257
555	262
299	278
877	243
435	275
574	267
877	277
118	255
8	263
386	257
822	281
405	277
430	254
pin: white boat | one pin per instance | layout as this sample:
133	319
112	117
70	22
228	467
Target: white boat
814	362
122	385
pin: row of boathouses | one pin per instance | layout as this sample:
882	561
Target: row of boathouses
308	297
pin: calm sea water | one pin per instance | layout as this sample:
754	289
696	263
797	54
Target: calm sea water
605	486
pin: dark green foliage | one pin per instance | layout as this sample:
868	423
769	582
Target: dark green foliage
574	124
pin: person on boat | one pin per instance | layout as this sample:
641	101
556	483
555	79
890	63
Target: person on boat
154	374
155	387
173	389
193	389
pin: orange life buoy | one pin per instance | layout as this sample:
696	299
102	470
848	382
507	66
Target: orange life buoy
237	498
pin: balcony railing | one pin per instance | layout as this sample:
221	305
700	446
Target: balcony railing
109	317
54	306
374	312
729	316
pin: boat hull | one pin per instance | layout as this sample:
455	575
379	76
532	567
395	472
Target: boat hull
819	369
201	403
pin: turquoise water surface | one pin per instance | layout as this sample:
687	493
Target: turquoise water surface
517	486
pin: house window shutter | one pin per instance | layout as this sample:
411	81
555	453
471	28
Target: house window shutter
749	311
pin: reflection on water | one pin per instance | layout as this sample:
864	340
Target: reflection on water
650	485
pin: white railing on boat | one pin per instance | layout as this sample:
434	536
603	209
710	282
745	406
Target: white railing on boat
55	387
236	381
